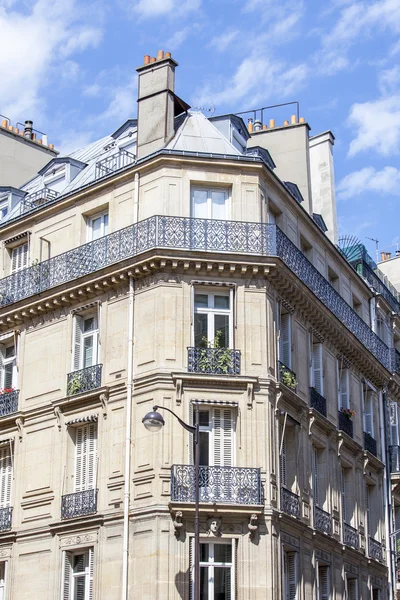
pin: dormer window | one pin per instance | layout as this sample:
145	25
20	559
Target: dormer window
3	209
59	172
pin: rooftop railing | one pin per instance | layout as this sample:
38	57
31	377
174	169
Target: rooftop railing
113	163
39	198
194	235
376	282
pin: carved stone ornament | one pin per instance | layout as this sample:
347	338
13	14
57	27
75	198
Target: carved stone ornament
252	526
79	540
214	526
178	525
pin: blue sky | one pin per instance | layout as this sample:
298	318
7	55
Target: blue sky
70	66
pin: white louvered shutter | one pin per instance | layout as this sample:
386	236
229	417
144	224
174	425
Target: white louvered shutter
323	581
3	580
86	457
282	458
344	389
317	368
343	485
285	341
223	436
66	577
291	559
368	413
5	476
352	589
2	354
367	497
78	328
315	473
19	258
91	573
394	434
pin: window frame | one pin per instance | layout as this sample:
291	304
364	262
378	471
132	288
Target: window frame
212	565
67	587
103	228
210	189
6	361
78	340
211	430
3	586
211	312
24	260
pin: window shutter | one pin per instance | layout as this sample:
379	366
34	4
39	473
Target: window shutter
352	589
282	458
323	579
315	471
344	389
78	328
191	568
86	457
2	580
285	341
343	482
2	354
19	257
223	436
5	477
91	573
91	456
317	368
376	594
66	582
368	413
367	497
394	437
291	576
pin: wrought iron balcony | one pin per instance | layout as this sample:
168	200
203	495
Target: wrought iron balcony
261	239
79	504
317	401
287	376
5	518
345	424
39	198
113	163
395	361
84	380
8	402
370	444
374	549
394	453
385	289
215	361
350	536
322	520
228	485
290	503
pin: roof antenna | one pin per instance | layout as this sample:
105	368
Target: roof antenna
376	247
205	109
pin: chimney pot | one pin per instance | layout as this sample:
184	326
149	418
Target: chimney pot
264	128
45	140
302	120
4	123
51	146
168	55
153	60
293	119
146	59
257	125
250	125
397	252
271	123
286	122
160	54
28	129
383	256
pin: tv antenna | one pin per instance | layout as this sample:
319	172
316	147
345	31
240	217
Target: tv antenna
376	247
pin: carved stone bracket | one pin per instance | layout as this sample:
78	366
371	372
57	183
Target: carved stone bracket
58	415
311	423
252	526
178	525
20	426
250	395
104	403
179	389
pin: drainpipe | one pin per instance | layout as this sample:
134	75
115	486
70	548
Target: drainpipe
129	401
387	492
136	199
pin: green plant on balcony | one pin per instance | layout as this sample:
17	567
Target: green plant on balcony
219	362
347	412
288	378
74	385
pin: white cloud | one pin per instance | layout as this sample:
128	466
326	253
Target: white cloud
73	140
85	38
222	41
123	102
389	81
157	8
377	126
177	38
368	179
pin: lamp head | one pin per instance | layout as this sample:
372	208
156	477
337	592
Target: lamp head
153	421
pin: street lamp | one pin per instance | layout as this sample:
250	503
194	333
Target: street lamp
154	421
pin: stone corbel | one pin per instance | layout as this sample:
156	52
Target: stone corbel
104	403
178	525
58	414
20	426
278	398
311	423
179	386
340	444
250	395
252	526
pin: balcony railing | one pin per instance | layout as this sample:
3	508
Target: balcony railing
84	380
394	453
8	402
228	485
113	163
287	376
322	520
395	361
317	401
370	444
374	549
290	503
350	536
39	198
169	232
5	518
79	504
215	361
345	424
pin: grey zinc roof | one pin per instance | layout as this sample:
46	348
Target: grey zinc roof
198	134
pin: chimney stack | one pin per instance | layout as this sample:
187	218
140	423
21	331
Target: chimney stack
28	129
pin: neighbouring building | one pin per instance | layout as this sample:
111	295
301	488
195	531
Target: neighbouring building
190	262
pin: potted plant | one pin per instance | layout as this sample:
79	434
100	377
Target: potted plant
347	412
218	362
288	378
74	385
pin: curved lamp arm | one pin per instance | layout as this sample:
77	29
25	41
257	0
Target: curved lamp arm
190	428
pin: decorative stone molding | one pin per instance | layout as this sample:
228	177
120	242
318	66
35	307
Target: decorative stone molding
104	403
178	525
58	415
250	395
290	539
80	540
214	525
252	526
179	390
20	426
5	552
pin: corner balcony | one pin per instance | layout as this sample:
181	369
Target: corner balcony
79	504
287	376
5	518
317	401
290	503
375	549
8	402
84	380
394	453
350	536
345	424
370	444
322	520
214	361
225	485
395	361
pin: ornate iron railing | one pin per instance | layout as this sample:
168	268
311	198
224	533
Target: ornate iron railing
5	518
374	549
287	376
322	520
39	198
390	295
345	424
394	453
113	163
395	360
350	536
370	444
84	380
8	402
290	503
230	485
79	504
317	401
190	234
216	361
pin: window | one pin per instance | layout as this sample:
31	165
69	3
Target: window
3	568
210	203
352	588
85	457
323	586
290	575
368	412
19	257
97	226
317	368
217	576
376	594
3	212
212	319
6	475
216	436
288	464
78	575
316	476
394	424
8	366
344	497
285	341
86	335
344	388
382	328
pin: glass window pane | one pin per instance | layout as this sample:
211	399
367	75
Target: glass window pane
222	583
8	375
200	331
87	352
204	417
204	440
221	301
223	553
79	591
88	324
219	205
79	563
204	582
105	220
201	300
221	330
200	209
96	228
204	552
